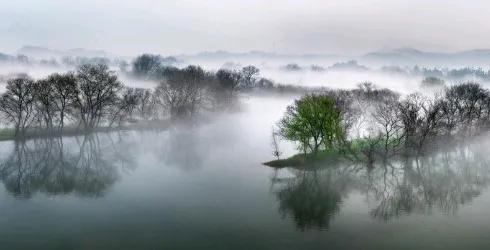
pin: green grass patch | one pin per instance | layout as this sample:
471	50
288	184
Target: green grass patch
7	134
320	159
353	151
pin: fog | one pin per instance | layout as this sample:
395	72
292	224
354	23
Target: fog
346	27
345	79
165	182
244	124
273	70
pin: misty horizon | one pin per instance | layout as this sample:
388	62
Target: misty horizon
251	51
285	27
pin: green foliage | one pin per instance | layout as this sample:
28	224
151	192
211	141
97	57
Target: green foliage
320	159
351	151
314	121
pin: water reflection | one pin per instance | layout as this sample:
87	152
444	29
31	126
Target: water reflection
182	149
83	166
441	182
311	198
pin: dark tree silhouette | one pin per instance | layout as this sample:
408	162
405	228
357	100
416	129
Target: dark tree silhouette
228	81
65	92
249	76
146	64
17	104
181	92
98	91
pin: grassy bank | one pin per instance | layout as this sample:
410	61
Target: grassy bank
353	151
321	158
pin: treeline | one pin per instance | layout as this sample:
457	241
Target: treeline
339	66
379	122
93	97
84	98
443	73
150	65
155	67
65	61
455	74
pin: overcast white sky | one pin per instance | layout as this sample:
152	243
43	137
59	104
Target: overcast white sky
284	26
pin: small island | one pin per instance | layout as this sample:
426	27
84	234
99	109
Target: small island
369	124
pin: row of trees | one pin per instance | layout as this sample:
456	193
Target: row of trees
85	96
156	67
93	97
152	66
380	122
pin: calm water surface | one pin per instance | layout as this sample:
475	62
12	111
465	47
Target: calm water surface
204	187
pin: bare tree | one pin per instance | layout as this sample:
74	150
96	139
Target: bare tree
421	119
17	104
145	103
182	91
249	75
275	146
466	102
388	118
65	93
124	106
409	112
45	102
98	89
431	120
228	81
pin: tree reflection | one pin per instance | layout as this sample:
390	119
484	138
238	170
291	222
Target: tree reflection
441	182
49	166
183	149
311	198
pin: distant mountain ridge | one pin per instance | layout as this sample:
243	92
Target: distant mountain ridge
399	56
43	52
414	56
252	54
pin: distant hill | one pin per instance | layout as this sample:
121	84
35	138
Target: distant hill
257	56
87	53
39	52
255	53
46	53
400	57
410	56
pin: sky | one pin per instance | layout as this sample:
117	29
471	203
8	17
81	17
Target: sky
346	27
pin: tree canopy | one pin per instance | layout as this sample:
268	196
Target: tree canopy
313	121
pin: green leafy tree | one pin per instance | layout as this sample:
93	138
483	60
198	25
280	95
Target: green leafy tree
313	121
